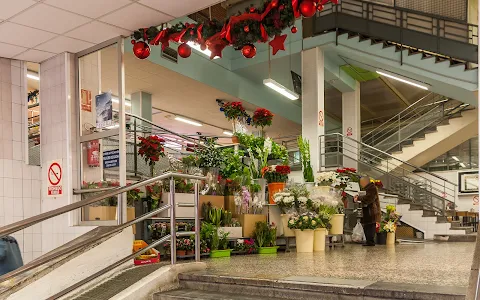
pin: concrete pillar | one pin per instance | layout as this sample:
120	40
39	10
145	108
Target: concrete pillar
351	126
142	105
313	103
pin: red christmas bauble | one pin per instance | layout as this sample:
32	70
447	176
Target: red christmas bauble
294	29
246	28
133	42
184	50
192	32
249	51
307	8
252	9
319	7
281	7
141	50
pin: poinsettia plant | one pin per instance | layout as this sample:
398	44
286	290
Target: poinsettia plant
233	110
151	149
262	117
276	173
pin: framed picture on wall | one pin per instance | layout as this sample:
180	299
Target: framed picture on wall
468	182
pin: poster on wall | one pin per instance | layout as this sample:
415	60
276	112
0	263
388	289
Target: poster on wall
104	110
468	182
86	100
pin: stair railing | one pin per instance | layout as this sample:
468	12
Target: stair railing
399	177
171	207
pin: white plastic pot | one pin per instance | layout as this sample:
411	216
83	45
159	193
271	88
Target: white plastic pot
337	224
319	239
287	232
304	240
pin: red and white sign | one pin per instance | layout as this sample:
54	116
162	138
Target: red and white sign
321	118
349	131
54	176
475	200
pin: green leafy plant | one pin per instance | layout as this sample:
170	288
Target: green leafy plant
215	216
265	235
209	156
190	161
232	163
227	218
304	147
133	196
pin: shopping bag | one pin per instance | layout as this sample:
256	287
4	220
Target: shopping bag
358	236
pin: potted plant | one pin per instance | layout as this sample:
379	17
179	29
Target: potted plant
324	215
262	117
184	193
246	246
276	177
265	236
190	245
326	179
216	241
151	149
154	193
234	111
249	216
181	247
285	201
390	224
304	226
381	234
304	147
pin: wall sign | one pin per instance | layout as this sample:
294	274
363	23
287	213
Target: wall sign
111	159
86	100
104	110
475	200
321	118
54	176
349	131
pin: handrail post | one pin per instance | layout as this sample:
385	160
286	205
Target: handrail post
135	153
197	222
173	233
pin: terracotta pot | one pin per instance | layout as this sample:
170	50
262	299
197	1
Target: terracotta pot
274	188
287	232
181	252
337	224
190	252
235	139
390	238
319	239
304	240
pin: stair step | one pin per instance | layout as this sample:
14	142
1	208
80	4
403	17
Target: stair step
429	213
404	201
416	207
468	229
455	237
396	152
188	294
430	130
442	219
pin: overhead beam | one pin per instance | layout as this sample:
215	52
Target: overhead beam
394	90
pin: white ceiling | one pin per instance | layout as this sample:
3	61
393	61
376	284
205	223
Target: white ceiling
35	30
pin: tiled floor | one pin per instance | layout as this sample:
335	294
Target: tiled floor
433	263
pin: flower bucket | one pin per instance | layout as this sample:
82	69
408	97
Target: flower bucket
263	187
274	188
337	224
220	253
304	240
235	139
381	238
181	252
267	250
287	232
190	252
390	238
319	239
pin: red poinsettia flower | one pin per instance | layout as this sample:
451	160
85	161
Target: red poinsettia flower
262	118
341	170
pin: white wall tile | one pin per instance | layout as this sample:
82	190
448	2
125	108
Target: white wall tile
8	187
17	188
17	169
27	257
15	75
18	207
36	189
26	171
1	189
8	148
26	188
1	168
37	242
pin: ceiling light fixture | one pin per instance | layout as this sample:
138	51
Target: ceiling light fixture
188	121
33	76
462	165
197	47
277	87
229	133
455	158
118	101
403	80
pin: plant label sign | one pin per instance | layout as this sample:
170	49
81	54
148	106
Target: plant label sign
54	176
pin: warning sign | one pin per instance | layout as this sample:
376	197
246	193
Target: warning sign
54	176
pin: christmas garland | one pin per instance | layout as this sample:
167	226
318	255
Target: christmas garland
239	31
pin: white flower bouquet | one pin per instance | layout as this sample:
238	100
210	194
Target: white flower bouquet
326	178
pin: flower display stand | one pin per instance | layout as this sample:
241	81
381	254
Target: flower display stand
287	232
229	204
304	240
216	201
100	213
390	238
319	239
234	232
337	224
180	212
248	223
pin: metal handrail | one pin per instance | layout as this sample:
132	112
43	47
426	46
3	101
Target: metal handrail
14	227
389	156
49	257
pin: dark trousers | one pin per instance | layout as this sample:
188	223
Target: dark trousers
370	230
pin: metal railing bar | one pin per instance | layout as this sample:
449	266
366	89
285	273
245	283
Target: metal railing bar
185	204
185	233
390	156
14	227
109	268
44	259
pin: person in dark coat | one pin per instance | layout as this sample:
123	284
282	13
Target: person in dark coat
371	209
10	256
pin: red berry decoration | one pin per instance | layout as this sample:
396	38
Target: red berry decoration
133	42
307	8
281	7
246	28
141	50
249	51
252	9
294	29
192	32
319	7
184	50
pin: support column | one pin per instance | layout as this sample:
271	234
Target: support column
351	127
313	103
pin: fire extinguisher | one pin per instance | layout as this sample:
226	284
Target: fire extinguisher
93	153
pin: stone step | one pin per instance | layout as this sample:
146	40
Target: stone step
310	288
189	294
455	237
442	219
416	207
429	213
468	229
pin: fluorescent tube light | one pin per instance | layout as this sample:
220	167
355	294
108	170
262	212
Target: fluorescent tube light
197	47
462	165
33	76
403	80
118	101
455	158
277	87
229	133
188	121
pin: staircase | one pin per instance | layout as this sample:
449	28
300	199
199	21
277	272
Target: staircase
425	199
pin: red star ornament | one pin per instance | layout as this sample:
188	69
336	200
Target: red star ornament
278	43
216	50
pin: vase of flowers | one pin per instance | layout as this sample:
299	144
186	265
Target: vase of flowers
151	149
390	224
304	226
276	177
265	236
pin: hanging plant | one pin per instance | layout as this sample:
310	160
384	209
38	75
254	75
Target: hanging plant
262	117
151	149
